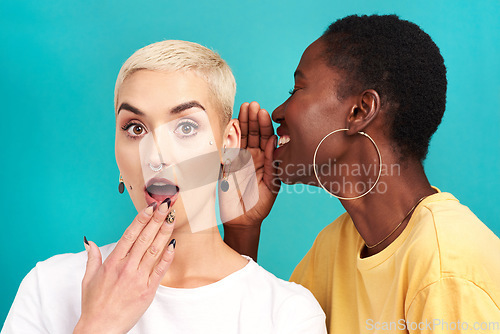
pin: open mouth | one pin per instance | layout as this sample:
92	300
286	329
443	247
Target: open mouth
283	140
278	153
158	189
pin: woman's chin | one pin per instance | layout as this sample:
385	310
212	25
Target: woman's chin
295	173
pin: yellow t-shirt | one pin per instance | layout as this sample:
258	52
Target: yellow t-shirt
441	275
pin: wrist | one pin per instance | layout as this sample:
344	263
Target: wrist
89	327
242	228
242	224
243	238
80	328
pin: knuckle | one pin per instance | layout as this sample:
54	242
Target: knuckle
159	270
165	260
166	229
129	235
142	220
143	238
153	250
156	219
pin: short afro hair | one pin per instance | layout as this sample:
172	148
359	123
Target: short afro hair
399	61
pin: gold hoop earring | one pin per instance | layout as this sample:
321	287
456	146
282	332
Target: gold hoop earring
121	185
379	159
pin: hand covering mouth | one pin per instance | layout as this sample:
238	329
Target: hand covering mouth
159	189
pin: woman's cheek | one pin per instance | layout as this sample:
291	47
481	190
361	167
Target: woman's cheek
128	161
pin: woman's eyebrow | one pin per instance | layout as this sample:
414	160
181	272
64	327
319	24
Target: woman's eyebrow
186	105
175	110
130	108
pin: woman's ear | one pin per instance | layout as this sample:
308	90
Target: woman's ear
232	135
363	112
231	140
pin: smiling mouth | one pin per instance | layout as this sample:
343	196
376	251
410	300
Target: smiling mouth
159	189
283	140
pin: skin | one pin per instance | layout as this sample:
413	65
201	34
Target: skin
141	260
309	114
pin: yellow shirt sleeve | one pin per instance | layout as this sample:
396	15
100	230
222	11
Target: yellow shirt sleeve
453	305
302	273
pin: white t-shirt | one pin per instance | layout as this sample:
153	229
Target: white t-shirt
250	300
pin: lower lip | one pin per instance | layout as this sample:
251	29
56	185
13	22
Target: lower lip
151	200
279	151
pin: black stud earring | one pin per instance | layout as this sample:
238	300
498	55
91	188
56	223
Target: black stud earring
121	185
224	184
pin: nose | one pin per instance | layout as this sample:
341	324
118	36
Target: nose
278	114
153	157
154	160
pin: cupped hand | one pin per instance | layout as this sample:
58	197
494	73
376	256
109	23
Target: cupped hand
116	293
257	137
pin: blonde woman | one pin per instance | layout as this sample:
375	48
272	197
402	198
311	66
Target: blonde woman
173	106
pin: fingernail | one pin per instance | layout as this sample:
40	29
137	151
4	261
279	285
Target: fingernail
86	243
151	207
165	205
275	142
170	217
171	245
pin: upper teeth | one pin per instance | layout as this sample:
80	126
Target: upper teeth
159	184
283	140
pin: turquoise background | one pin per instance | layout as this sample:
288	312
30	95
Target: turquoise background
59	61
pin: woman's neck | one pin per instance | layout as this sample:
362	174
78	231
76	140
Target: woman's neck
377	214
201	257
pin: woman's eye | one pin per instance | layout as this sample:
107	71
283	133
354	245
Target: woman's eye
186	128
134	130
292	91
137	130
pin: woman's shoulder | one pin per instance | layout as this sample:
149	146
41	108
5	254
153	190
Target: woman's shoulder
450	225
262	282
62	271
290	304
70	262
51	291
450	238
60	274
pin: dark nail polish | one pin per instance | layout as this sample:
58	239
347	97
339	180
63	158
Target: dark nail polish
172	242
154	204
85	240
166	200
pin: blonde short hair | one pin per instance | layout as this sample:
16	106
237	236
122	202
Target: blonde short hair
173	55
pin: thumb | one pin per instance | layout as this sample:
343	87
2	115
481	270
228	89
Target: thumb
94	260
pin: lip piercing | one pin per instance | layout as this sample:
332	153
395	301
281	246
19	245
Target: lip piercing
156	169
